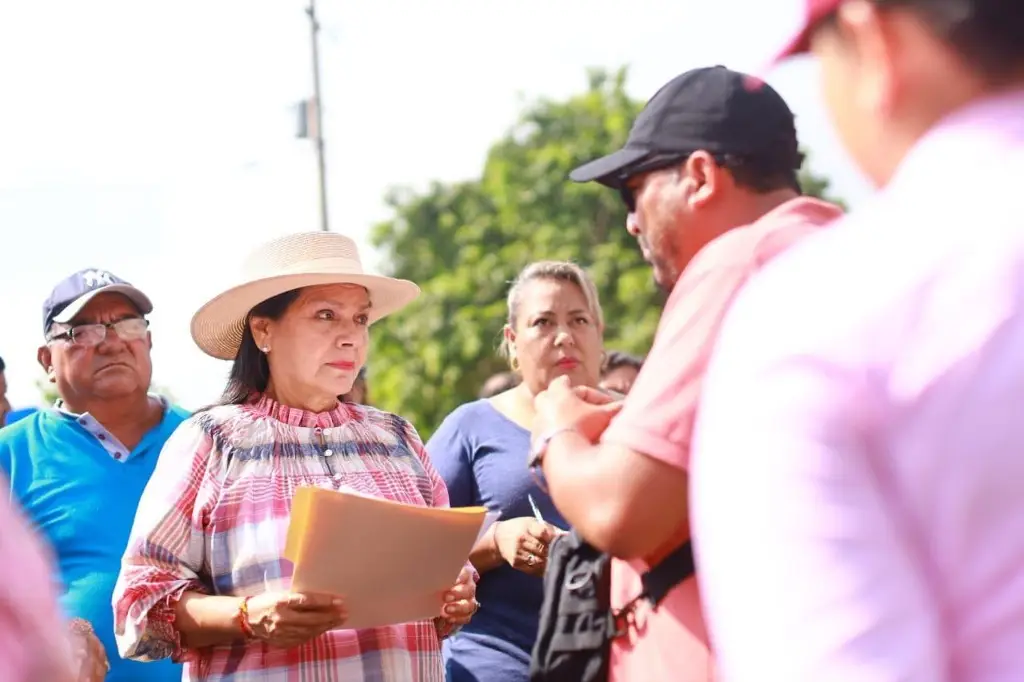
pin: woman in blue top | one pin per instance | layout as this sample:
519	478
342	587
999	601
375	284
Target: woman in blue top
554	329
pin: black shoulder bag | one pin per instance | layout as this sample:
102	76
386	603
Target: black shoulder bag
577	623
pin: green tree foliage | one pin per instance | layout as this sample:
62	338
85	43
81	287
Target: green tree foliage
463	242
817	186
47	392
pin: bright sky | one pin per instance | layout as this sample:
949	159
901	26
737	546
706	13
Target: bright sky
156	140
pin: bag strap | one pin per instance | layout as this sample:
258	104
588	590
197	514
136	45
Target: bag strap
670	571
657	583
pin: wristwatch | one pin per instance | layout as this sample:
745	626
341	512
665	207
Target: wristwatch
540	445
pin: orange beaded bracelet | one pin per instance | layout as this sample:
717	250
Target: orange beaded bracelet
243	619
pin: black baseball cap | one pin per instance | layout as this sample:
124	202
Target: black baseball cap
74	292
713	109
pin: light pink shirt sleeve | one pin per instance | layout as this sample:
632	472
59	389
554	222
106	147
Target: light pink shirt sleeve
33	643
805	575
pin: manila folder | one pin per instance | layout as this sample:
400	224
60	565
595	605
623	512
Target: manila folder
391	562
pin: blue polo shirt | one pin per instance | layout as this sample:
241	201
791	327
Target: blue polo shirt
81	487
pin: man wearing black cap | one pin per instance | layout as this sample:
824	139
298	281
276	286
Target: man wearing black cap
712	150
79	469
709	175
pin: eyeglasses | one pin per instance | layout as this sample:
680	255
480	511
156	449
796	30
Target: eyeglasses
89	335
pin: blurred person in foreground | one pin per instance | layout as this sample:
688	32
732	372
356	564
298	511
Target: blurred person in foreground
864	401
204	578
620	372
709	175
554	329
36	644
79	468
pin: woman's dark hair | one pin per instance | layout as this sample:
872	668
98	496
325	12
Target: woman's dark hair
616	359
250	371
2	365
499	383
360	377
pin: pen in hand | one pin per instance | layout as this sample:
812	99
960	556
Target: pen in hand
537	515
536	511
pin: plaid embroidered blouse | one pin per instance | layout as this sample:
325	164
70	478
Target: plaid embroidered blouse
214	520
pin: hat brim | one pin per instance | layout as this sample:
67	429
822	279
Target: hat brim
217	326
609	170
800	42
138	299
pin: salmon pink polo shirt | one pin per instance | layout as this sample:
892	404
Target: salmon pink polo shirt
670	643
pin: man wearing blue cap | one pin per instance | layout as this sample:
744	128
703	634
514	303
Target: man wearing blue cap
79	469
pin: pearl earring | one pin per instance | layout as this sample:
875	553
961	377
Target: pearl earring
265	349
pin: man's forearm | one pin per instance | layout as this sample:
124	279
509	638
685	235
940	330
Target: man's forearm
620	501
576	476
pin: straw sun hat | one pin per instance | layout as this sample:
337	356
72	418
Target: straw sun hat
292	262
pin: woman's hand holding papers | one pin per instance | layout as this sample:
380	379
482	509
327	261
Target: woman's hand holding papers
460	601
288	619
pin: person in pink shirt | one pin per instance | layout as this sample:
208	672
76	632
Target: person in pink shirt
35	642
709	175
857	475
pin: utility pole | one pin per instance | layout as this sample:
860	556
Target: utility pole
314	30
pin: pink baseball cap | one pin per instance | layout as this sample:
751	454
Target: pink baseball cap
814	11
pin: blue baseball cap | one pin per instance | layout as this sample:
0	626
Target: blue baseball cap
73	293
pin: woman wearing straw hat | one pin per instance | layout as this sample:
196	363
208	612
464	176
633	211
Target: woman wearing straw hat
203	578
